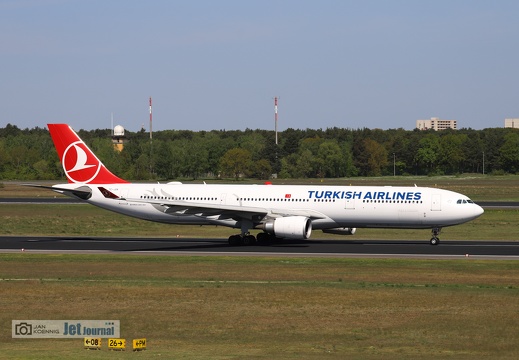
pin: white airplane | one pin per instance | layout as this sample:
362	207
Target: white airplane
279	211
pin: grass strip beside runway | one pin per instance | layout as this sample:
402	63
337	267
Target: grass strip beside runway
88	220
266	308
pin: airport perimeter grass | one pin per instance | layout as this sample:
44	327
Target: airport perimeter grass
88	220
267	308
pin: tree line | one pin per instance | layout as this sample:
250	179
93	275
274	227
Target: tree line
29	154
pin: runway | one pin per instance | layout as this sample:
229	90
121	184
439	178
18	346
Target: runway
313	248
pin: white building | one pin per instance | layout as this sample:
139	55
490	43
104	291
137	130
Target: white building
436	124
512	123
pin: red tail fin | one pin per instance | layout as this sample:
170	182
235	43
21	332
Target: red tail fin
79	162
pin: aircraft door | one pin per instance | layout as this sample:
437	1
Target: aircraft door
350	204
436	202
223	199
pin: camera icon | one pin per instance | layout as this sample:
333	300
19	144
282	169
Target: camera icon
23	328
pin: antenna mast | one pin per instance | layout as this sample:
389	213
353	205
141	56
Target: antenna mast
151	141
276	117
151	122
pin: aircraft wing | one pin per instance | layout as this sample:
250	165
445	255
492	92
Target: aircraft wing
253	213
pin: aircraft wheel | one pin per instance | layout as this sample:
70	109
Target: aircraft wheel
249	240
434	241
234	240
263	238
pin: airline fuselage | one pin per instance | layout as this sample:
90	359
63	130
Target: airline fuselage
340	206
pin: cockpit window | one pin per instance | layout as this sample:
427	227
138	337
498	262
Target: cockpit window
463	201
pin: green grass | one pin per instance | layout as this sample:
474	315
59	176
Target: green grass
87	220
267	308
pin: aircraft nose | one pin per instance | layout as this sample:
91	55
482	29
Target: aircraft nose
478	211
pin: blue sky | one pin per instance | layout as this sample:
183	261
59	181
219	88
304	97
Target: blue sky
219	64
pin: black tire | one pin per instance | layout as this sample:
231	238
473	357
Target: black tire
249	240
234	240
263	238
434	241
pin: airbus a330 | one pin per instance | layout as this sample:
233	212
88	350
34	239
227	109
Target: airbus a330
277	211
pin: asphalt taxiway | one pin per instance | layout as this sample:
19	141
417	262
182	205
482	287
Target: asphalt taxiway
314	247
323	248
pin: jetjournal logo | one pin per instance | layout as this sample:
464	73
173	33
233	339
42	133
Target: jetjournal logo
65	328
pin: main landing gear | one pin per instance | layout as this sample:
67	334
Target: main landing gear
434	239
244	238
247	239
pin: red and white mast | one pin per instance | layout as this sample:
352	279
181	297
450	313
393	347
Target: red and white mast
276	117
151	119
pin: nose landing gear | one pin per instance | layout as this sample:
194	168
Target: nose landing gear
434	239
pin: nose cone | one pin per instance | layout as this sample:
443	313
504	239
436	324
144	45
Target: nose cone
479	211
469	213
476	211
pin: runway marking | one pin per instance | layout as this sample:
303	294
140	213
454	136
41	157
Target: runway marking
477	245
122	240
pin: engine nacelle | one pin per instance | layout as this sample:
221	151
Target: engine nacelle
290	227
340	231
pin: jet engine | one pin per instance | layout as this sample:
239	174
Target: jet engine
290	227
340	231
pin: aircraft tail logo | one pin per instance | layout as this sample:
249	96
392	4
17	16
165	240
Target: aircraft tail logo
79	162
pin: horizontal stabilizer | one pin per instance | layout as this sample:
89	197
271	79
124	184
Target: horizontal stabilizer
82	192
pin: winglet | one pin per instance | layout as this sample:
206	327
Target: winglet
79	162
